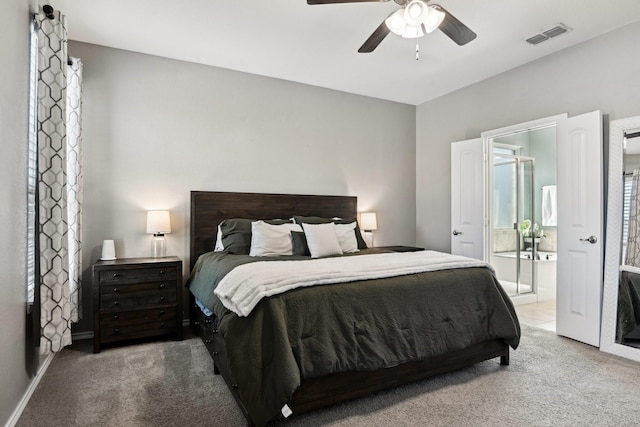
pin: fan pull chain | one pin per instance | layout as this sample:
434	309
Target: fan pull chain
417	50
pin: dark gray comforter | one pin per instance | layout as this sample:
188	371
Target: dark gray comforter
356	326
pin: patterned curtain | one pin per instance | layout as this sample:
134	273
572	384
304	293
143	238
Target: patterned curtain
74	184
58	184
633	240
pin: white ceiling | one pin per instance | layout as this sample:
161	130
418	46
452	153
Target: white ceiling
317	45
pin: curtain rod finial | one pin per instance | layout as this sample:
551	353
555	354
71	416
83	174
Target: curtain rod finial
48	11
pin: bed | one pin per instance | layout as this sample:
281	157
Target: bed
280	359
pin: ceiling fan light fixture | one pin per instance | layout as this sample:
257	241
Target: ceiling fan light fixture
396	22
413	32
434	19
416	13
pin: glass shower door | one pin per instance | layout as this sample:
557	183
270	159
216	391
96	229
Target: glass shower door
513	203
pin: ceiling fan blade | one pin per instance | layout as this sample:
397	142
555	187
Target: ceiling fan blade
375	39
343	1
456	30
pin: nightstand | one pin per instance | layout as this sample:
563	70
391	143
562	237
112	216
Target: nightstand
136	298
400	248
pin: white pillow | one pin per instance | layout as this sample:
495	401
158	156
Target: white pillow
271	240
322	240
347	237
219	246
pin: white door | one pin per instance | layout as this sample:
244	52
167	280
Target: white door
467	198
579	281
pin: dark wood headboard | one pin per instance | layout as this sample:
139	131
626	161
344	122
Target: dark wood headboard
208	208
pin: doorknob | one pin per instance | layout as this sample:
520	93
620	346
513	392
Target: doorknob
590	239
456	232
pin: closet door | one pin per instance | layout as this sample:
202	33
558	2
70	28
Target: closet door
580	249
467	198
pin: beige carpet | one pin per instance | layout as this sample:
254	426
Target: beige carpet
552	381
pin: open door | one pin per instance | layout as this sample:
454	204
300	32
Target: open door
580	250
467	198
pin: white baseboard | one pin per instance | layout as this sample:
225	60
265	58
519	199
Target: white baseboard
13	420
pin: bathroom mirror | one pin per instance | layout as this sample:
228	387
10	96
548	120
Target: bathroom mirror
615	267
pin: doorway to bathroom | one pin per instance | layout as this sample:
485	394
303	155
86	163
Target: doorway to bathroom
522	241
577	235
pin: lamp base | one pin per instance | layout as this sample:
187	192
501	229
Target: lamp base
368	238
158	246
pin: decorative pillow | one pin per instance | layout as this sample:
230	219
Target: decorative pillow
347	237
319	220
219	246
236	234
272	240
299	243
322	239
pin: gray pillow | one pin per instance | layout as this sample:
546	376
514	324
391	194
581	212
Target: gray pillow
236	234
299	243
319	220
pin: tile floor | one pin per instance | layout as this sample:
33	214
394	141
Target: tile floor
540	315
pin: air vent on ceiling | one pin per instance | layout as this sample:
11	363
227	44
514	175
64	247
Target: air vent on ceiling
546	35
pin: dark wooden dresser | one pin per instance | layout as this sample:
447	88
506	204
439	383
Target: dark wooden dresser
136	298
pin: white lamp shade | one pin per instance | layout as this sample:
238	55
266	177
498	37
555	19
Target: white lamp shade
158	222
416	13
396	22
368	221
434	19
413	32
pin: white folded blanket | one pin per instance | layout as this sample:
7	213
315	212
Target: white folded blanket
244	286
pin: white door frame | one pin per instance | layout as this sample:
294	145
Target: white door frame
487	139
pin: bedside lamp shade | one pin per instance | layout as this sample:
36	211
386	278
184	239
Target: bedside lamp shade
368	223
158	224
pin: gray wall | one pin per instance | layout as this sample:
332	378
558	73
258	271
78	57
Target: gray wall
155	128
600	74
14	92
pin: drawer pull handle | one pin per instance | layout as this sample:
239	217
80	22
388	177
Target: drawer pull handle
207	321
207	342
161	312
161	298
234	386
115	289
116	275
161	271
115	317
215	353
116	303
162	285
116	331
215	331
162	325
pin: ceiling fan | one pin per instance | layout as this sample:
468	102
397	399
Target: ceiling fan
413	20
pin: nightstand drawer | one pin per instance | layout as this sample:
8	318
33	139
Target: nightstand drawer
150	328
125	289
137	274
138	316
133	300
